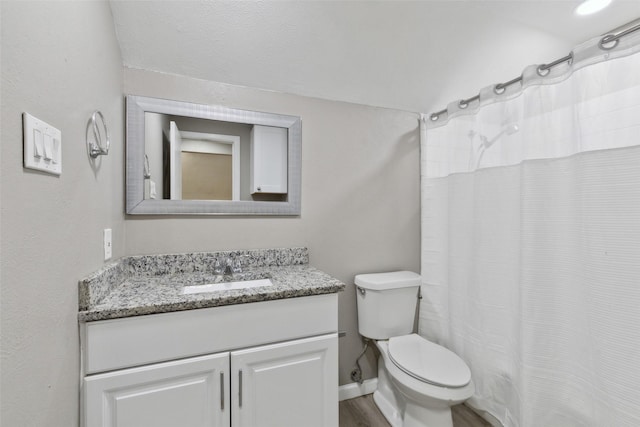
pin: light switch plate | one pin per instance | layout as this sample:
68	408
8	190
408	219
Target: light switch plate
42	145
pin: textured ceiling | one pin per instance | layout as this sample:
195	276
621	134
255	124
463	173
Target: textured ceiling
399	54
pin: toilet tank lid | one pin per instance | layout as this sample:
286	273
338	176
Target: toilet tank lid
391	280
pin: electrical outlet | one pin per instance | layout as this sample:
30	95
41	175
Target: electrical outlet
107	244
356	375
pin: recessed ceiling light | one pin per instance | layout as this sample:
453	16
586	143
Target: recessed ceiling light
587	7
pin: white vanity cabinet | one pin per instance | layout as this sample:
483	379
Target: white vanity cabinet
271	363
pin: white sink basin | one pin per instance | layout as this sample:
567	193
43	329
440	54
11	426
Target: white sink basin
226	286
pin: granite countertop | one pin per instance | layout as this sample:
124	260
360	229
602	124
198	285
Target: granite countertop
136	286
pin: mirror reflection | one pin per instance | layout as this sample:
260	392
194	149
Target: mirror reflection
189	158
196	159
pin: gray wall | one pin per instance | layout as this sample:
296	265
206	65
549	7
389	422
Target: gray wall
360	191
60	61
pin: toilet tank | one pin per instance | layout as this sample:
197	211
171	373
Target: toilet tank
386	303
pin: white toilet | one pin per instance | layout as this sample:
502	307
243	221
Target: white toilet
418	381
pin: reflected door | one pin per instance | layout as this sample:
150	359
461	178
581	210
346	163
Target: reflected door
206	176
175	162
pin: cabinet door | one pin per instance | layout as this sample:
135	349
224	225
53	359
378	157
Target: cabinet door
292	384
186	393
268	159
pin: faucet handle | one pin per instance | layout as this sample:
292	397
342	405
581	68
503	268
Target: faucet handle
217	267
237	266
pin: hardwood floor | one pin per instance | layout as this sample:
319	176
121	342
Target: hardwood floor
363	412
465	417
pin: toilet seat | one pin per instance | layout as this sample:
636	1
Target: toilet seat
428	362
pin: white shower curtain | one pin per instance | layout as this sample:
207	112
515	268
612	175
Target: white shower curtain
531	242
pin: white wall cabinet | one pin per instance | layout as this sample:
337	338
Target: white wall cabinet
291	381
269	165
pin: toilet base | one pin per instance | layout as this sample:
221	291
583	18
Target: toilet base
395	407
388	410
387	399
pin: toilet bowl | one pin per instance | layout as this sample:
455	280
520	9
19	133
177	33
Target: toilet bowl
418	380
410	398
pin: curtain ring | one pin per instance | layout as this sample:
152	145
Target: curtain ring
610	38
543	70
462	104
499	89
434	117
570	60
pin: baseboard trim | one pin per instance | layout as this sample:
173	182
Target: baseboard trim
352	390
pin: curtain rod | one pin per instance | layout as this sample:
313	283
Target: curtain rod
608	42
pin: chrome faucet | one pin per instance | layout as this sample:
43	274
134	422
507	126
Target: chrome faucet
228	267
237	266
217	268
